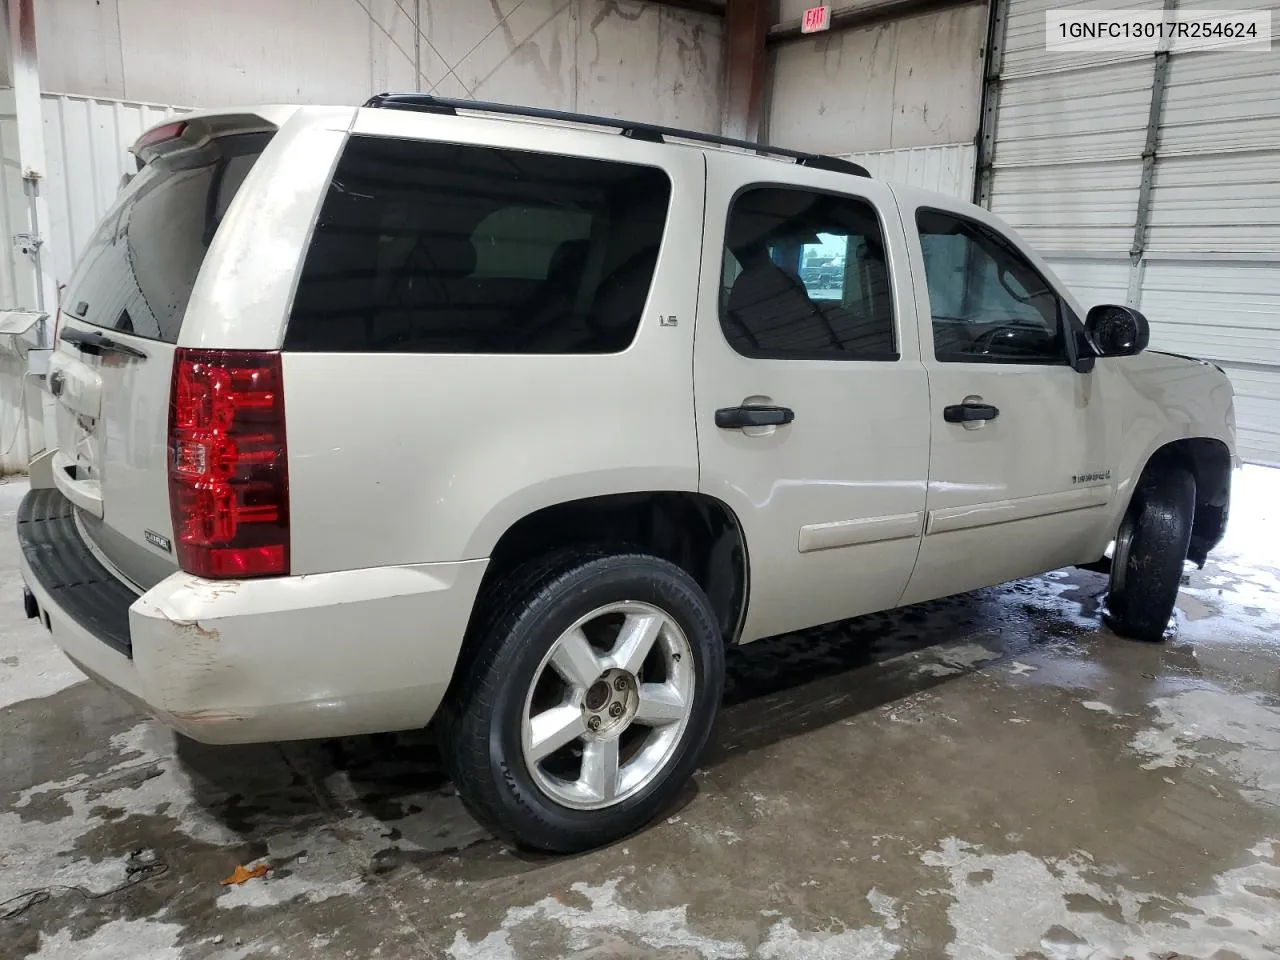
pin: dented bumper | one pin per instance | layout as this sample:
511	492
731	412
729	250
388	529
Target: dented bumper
280	658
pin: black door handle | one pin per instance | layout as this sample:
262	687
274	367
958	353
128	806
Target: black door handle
965	412
735	418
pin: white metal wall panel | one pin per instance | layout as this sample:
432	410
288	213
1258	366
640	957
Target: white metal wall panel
17	286
1067	170
1211	283
1067	162
946	168
909	82
1218	310
1072	116
1093	280
1257	412
86	149
1071	209
1217	203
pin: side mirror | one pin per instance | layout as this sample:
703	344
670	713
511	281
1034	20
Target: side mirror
1117	331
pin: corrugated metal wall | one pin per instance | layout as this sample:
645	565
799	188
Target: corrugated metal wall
1067	169
1211	277
86	144
945	168
1070	128
17	280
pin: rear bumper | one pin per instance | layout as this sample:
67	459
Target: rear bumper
241	661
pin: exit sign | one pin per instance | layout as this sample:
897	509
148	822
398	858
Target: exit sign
816	19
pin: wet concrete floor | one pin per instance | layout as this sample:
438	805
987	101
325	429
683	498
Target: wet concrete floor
993	775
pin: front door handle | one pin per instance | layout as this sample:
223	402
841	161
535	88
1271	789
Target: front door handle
735	418
968	412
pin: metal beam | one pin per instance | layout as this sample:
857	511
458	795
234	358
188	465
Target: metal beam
993	63
861	15
713	8
746	64
1155	114
20	26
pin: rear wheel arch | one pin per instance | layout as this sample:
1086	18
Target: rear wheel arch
698	533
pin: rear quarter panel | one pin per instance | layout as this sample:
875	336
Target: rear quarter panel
418	458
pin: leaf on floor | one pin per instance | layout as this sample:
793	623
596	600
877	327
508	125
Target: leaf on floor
243	874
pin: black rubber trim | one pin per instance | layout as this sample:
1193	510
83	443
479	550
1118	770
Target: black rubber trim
62	564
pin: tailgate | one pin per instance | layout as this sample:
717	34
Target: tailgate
121	316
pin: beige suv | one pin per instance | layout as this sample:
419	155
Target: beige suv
492	416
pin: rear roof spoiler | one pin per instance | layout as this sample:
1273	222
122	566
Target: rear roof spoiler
192	130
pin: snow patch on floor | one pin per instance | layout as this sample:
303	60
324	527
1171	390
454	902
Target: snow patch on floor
31	665
1099	707
1014	904
945	661
1238	731
784	942
603	918
885	907
116	940
328	869
138	783
607	925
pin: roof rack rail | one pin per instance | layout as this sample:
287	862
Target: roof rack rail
648	132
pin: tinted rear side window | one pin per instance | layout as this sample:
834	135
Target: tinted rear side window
805	278
137	272
426	247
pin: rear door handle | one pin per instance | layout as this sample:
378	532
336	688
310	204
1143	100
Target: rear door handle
735	418
968	412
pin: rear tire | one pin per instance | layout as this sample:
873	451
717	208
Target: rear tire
1151	546
586	700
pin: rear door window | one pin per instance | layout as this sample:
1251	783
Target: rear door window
805	278
425	247
138	270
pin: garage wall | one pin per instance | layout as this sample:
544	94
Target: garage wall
946	168
86	146
615	57
1067	170
909	82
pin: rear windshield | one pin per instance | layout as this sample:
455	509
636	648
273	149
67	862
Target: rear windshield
137	272
442	248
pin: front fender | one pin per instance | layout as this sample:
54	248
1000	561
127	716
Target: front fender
1167	399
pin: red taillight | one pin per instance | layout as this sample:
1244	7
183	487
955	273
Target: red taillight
228	472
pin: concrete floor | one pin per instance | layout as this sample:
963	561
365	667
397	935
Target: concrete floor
994	775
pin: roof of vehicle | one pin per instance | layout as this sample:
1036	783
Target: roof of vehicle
649	132
211	121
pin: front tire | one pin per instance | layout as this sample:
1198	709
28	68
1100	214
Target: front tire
1151	546
586	701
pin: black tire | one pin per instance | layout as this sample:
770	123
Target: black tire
523	617
1151	547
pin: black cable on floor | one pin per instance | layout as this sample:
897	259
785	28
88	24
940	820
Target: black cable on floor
135	870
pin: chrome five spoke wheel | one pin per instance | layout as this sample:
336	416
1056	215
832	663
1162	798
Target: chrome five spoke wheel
608	705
